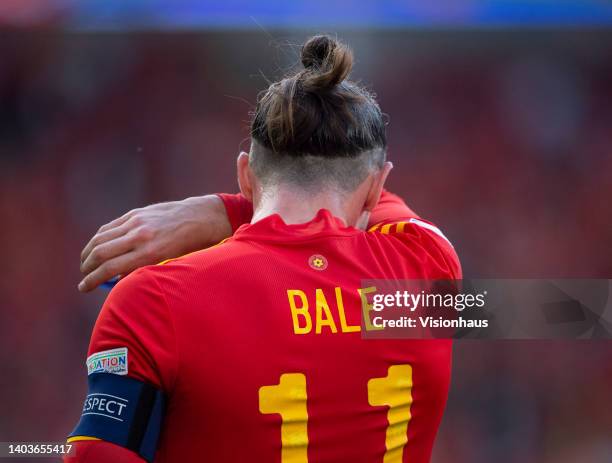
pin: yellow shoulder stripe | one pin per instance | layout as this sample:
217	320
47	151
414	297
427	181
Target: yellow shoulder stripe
81	438
388	227
399	227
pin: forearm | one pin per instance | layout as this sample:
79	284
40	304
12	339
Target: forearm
210	221
163	231
153	234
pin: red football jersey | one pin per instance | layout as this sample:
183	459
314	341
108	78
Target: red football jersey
257	343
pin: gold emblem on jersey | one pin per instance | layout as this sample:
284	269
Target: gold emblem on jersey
317	262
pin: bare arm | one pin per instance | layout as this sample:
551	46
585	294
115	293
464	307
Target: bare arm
152	234
162	231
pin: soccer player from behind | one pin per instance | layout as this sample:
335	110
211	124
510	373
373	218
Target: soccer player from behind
251	350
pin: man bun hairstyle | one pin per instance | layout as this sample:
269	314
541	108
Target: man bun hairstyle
315	125
328	61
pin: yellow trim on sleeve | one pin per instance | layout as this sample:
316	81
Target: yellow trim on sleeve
80	438
386	228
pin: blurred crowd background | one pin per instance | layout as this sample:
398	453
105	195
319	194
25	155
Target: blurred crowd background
501	136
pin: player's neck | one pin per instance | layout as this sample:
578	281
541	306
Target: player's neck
297	207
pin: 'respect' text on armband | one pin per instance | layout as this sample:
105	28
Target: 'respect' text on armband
124	411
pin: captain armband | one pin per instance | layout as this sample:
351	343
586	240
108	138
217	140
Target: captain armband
124	411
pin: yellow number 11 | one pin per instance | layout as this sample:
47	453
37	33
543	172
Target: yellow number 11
288	398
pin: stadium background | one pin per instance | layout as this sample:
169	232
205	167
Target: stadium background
500	132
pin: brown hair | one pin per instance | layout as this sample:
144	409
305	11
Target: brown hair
307	123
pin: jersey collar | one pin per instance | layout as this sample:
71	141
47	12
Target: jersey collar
274	228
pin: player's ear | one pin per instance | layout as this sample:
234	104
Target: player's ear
245	175
376	186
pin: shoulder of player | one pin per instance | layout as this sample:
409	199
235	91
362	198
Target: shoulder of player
207	260
195	256
157	279
204	259
416	231
140	282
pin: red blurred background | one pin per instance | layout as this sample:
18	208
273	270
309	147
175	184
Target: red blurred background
502	138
